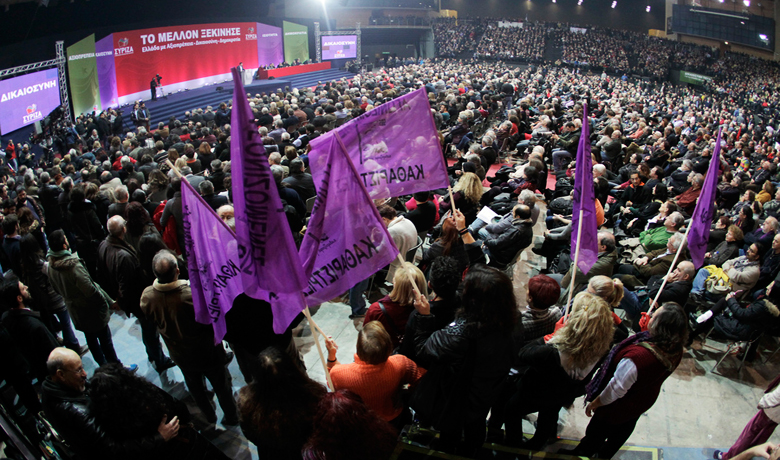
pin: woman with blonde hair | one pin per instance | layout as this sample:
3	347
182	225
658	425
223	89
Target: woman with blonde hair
466	193
555	373
393	310
611	290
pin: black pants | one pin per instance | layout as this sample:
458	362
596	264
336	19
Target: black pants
603	439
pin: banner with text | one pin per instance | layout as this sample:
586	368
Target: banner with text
185	56
345	241
394	147
269	45
296	42
106	70
27	99
83	76
339	47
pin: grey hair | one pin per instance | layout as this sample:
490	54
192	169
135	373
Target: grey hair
676	240
528	197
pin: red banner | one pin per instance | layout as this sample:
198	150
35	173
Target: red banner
180	54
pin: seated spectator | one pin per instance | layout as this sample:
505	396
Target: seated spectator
423	216
764	234
728	249
659	236
502	248
540	316
393	310
376	376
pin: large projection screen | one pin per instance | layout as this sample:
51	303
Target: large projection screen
339	47
27	99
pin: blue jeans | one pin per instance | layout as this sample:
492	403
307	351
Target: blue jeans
356	300
699	281
478	227
68	334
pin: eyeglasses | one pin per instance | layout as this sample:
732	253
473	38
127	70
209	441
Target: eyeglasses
78	370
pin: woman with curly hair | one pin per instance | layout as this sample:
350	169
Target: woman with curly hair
449	243
346	429
138	224
29	225
466	193
129	407
157	190
629	382
467	361
555	373
277	409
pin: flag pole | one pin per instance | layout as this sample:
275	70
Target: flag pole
174	168
316	329
414	284
654	303
576	259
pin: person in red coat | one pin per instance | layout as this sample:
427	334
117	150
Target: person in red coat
629	383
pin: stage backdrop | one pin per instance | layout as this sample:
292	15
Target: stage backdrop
269	45
185	56
104	54
83	75
27	99
296	42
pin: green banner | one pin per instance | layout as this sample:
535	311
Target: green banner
82	72
296	42
694	78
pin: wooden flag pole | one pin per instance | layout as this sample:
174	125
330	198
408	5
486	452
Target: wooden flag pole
576	259
684	243
316	329
452	200
414	284
174	168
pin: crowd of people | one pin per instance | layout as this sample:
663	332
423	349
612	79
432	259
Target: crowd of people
452	36
100	227
512	43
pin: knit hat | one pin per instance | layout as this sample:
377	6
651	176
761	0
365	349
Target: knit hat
469	167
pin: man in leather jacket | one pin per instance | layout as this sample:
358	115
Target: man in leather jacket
66	405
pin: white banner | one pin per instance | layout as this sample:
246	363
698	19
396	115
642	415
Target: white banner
518	25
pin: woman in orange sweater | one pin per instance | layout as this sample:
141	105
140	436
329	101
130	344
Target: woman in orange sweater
375	376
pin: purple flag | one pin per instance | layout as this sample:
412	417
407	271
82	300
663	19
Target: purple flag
269	262
269	45
346	241
699	233
584	201
394	147
212	261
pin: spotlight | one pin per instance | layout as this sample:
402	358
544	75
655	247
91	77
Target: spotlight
746	2
614	4
579	2
648	8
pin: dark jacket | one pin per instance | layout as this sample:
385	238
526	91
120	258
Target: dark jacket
121	273
514	239
742	323
723	252
215	201
87	231
44	297
48	196
86	301
423	217
68	412
301	183
33	338
464	362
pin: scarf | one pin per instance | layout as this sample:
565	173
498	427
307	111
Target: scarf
598	382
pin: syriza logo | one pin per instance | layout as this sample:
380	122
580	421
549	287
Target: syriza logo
32	114
124	48
251	35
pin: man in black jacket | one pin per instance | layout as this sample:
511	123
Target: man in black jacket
48	194
503	248
119	263
678	286
66	405
25	326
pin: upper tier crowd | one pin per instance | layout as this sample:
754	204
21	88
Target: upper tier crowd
100	227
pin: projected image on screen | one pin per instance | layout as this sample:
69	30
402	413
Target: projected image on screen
339	47
27	99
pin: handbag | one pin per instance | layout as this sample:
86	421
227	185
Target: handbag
718	282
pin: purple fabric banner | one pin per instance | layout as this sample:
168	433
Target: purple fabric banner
269	262
585	201
212	261
394	147
699	233
346	241
269	45
104	53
